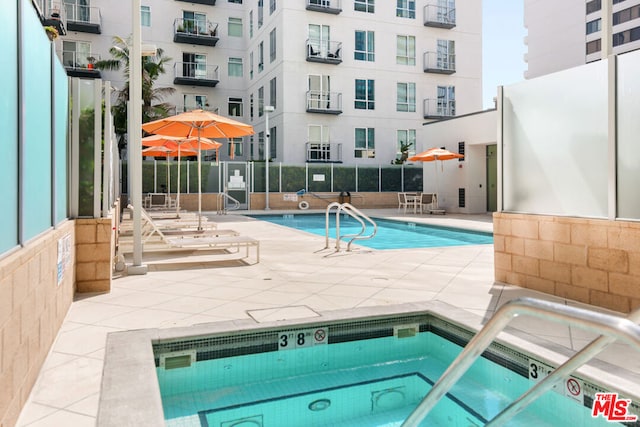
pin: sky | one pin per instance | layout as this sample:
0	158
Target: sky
503	47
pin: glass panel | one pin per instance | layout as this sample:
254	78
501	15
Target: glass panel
86	147
61	108
9	120
36	53
628	130
555	143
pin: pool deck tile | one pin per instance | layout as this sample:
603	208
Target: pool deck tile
296	277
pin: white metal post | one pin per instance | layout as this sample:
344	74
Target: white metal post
134	132
267	109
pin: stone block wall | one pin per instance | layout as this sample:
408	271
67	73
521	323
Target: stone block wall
587	260
95	240
33	304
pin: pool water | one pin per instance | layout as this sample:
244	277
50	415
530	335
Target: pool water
371	382
390	235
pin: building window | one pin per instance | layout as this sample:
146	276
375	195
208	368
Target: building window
626	15
272	6
261	56
194	102
75	54
260	13
251	24
364	6
194	65
594	26
593	46
235	27
446	55
273	101
251	106
365	94
272	45
145	16
273	146
406	142
235	67
261	145
251	65
406	9
461	151
235	1
406	100
626	36
406	50
446	102
365	46
461	198
235	147
235	107
365	143
193	23
261	101
593	6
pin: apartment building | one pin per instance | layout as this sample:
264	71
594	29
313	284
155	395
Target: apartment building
566	34
350	80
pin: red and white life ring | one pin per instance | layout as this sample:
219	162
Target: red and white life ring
303	205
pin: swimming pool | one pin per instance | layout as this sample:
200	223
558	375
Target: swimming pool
355	374
390	235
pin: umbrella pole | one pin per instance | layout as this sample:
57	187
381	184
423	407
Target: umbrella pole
199	184
168	199
435	163
178	194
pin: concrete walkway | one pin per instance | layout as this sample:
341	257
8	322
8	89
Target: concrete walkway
295	277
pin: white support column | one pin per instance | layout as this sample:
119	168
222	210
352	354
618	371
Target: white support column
267	146
134	132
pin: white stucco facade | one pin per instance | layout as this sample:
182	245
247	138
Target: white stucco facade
291	69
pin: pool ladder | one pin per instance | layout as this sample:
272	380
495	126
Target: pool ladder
610	327
353	212
222	203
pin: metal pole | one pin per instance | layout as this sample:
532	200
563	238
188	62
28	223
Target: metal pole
135	144
267	141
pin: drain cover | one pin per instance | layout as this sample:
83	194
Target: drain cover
319	405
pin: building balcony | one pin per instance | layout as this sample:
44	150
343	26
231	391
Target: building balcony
326	6
324	102
190	107
80	64
84	19
192	31
207	2
439	109
323	152
439	16
52	14
324	52
439	63
195	74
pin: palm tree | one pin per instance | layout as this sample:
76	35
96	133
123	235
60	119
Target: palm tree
152	67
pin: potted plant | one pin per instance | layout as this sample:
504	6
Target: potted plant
92	62
52	32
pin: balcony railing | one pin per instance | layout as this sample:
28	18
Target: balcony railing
53	14
86	19
194	31
189	107
195	74
323	152
80	64
439	16
440	63
327	6
207	2
328	52
324	102
439	108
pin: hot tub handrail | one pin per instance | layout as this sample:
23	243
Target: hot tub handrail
608	326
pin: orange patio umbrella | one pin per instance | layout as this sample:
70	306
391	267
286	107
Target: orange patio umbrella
198	124
433	154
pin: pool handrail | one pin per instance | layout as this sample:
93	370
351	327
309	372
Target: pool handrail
609	327
222	205
355	213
